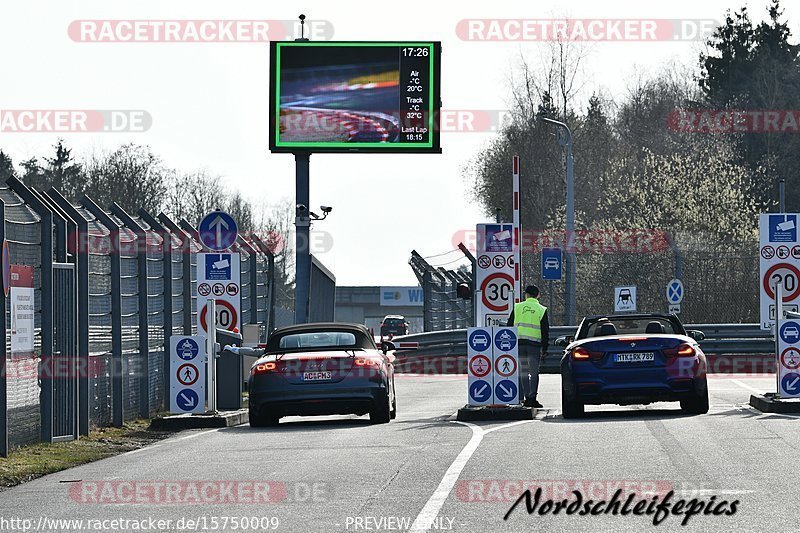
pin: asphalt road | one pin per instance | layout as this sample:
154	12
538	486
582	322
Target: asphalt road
331	474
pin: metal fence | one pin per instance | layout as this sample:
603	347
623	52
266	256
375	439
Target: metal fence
442	308
720	285
110	287
746	347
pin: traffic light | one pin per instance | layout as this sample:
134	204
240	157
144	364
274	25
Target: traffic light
464	290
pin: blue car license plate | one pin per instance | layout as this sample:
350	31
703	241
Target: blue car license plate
634	357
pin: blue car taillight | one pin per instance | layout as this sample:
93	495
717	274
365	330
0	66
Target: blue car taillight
582	354
681	350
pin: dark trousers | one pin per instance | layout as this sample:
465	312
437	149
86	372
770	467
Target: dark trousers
530	355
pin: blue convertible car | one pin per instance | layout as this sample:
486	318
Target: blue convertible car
632	359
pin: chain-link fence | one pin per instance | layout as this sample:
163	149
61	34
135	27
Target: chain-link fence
720	284
138	287
442	308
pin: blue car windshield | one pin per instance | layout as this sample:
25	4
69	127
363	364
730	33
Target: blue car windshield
319	339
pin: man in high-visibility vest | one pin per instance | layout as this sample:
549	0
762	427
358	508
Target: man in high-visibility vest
533	330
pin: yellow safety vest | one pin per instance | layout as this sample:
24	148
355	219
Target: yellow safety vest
528	319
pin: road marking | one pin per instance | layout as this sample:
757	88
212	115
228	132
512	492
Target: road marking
746	386
434	504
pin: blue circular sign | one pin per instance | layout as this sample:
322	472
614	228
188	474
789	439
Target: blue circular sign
790	332
505	340
480	340
791	384
480	390
187	349
505	390
217	231
187	400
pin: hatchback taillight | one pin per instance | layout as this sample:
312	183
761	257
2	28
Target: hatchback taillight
264	368
681	350
364	361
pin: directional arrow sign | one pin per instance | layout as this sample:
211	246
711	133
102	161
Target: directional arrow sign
506	391
187	400
218	231
791	384
480	392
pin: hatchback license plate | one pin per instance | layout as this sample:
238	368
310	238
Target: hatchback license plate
637	357
316	376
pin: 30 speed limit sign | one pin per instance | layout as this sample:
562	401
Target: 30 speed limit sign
496	291
218	277
497	273
779	265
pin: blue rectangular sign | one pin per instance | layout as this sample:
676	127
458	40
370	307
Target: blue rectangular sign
552	263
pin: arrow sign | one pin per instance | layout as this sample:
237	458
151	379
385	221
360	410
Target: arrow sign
506	391
218	231
480	391
187	400
790	384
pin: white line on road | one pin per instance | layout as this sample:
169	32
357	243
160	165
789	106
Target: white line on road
434	504
746	386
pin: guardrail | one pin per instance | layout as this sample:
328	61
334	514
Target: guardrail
446	351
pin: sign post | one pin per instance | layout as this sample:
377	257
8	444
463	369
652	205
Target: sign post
496	276
625	299
187	380
779	264
492	366
219	273
674	296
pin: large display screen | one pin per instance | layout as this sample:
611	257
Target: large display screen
354	96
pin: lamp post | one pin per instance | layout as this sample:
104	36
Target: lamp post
565	139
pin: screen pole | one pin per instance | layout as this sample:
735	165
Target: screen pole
302	224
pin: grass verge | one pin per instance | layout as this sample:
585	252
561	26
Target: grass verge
36	460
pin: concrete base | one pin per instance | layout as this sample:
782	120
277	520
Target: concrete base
768	403
471	413
220	419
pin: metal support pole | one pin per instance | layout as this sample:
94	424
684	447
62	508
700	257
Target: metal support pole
253	258
81	254
569	264
302	238
166	294
3	354
119	369
782	195
271	292
550	298
211	354
427	296
778	317
47	346
186	270
142	290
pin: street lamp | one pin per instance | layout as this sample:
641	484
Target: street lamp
565	139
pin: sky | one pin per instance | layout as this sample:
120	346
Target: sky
209	105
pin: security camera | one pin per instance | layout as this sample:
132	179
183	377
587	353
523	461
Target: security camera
326	209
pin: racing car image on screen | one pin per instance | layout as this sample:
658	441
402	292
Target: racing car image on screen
341	103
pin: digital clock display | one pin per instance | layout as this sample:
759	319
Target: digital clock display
354	97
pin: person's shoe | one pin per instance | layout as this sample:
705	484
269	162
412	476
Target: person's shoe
531	402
